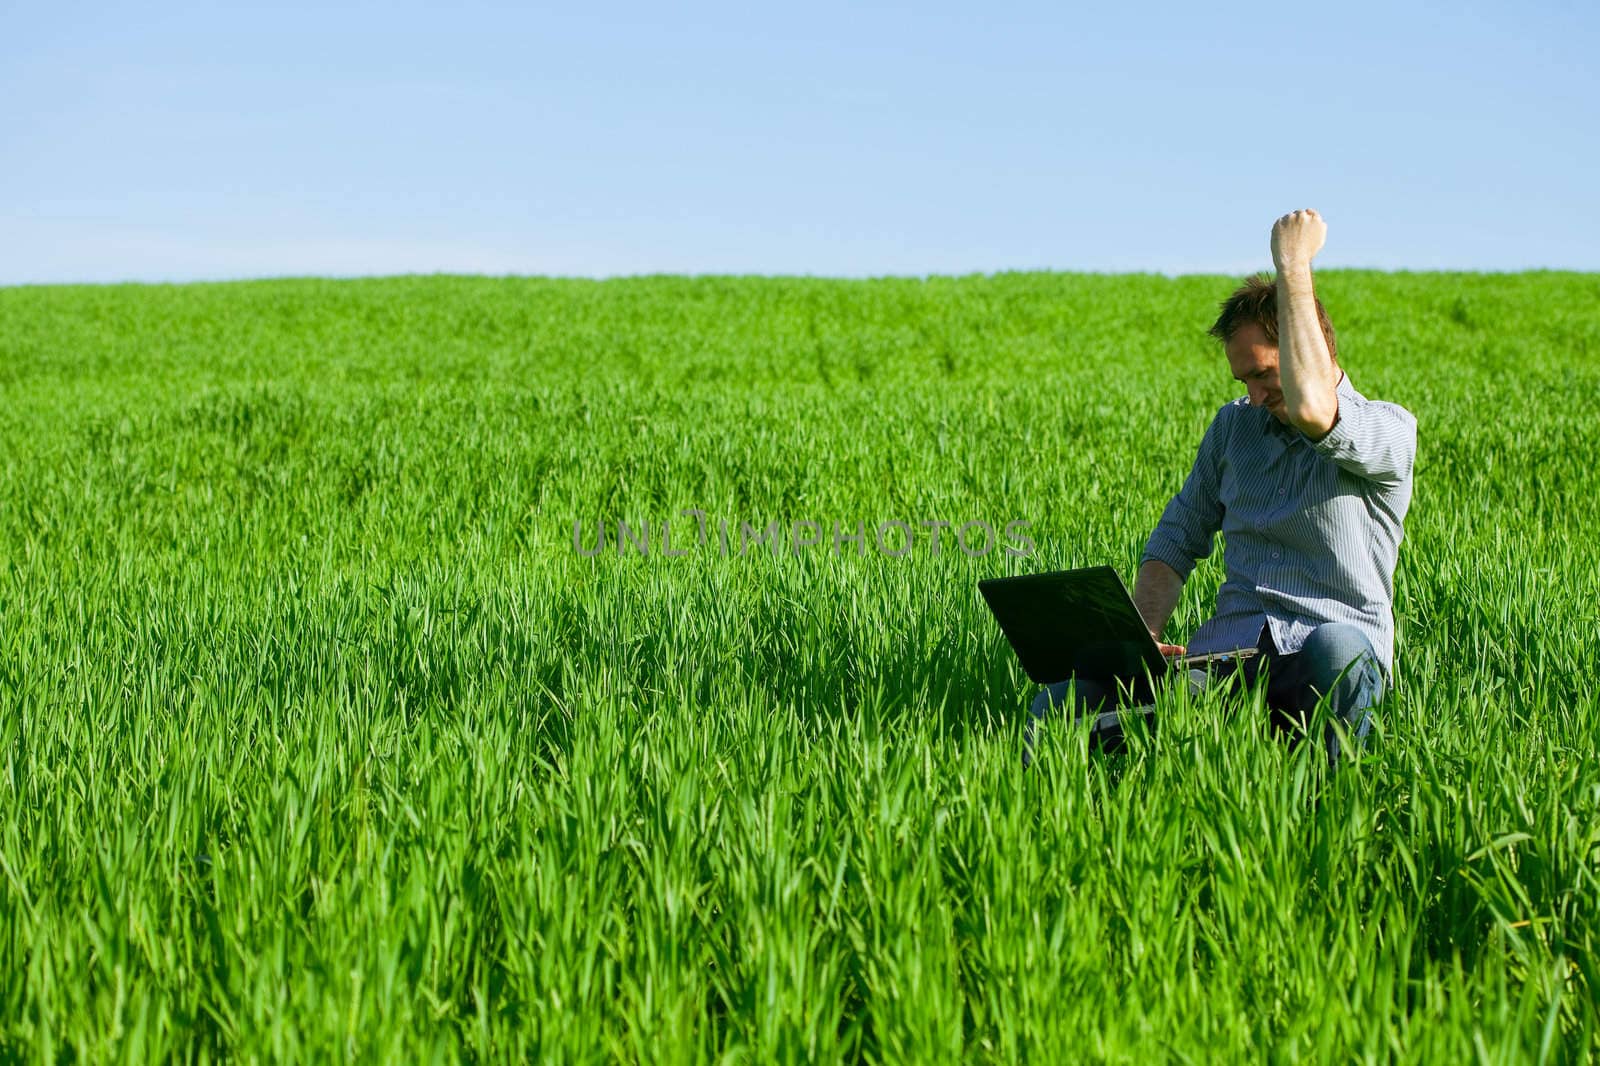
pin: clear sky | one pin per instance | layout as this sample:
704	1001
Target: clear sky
180	142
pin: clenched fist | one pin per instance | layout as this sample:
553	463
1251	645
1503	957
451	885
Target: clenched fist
1296	238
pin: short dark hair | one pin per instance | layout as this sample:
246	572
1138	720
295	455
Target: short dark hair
1257	301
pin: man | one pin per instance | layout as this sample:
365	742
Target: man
1310	481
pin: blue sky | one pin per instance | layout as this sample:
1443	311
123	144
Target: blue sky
221	141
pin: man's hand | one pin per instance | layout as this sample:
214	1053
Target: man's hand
1296	239
1169	649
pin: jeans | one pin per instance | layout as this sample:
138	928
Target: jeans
1337	662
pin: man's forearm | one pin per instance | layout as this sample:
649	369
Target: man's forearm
1305	369
1155	594
1305	366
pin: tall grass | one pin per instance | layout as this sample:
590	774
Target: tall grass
321	740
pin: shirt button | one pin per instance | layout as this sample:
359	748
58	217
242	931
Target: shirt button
1274	555
1282	491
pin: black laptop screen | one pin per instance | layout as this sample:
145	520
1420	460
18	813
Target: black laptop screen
1073	622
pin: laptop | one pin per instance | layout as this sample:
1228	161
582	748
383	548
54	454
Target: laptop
1082	623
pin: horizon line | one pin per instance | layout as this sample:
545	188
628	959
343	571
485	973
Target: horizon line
247	279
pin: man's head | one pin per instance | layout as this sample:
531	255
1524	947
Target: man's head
1248	330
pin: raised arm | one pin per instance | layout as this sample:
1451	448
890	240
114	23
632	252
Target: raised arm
1377	441
1305	368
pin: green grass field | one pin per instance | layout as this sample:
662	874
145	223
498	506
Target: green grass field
322	742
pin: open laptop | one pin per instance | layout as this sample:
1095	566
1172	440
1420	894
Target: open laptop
1082	623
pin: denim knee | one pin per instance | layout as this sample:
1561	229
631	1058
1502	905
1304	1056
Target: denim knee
1334	647
1344	669
1085	695
1333	638
1052	695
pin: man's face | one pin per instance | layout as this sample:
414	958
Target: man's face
1254	361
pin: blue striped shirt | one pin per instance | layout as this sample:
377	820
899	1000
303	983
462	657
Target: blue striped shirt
1312	528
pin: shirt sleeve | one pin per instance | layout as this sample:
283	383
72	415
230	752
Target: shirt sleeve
1188	527
1372	439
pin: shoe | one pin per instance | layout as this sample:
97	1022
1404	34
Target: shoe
1108	731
